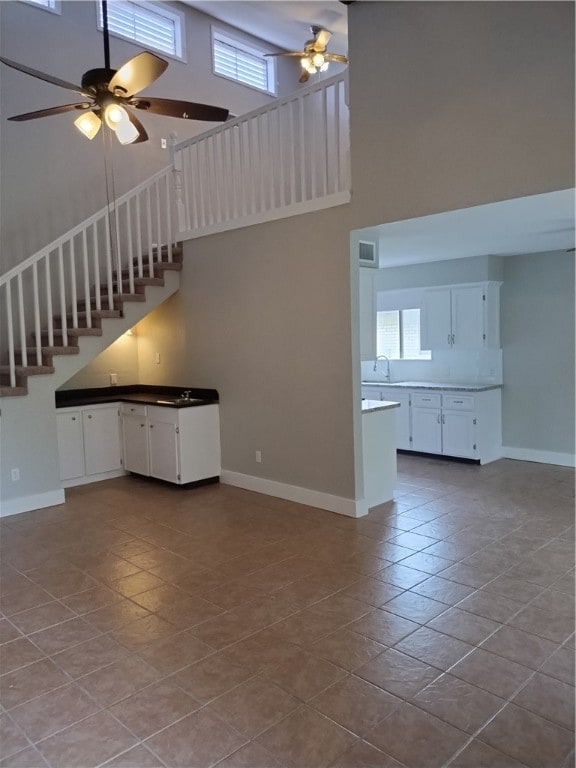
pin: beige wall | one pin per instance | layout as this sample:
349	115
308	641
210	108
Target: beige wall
120	358
454	104
54	175
263	316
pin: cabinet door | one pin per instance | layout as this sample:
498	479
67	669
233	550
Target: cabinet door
426	430
102	452
70	450
458	434
135	439
436	319
163	446
402	417
468	317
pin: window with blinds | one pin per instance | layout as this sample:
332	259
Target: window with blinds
49	5
235	60
147	24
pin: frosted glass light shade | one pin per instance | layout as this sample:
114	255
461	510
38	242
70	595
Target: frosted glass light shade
88	124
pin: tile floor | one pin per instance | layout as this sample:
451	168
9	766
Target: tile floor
145	625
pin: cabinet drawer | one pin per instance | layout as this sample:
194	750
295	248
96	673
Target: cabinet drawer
426	400
458	402
133	409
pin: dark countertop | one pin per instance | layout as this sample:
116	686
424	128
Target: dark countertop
148	394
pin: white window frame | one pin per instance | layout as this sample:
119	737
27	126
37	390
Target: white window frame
158	9
425	353
52	6
219	35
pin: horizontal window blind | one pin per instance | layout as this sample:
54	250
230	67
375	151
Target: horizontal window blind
145	25
233	60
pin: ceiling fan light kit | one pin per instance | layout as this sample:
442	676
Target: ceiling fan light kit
110	96
315	58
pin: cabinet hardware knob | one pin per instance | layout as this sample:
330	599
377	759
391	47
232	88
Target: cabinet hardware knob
73	418
448	339
89	416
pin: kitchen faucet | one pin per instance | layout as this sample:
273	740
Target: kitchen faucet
383	357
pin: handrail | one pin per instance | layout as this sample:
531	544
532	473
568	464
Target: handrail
273	105
24	265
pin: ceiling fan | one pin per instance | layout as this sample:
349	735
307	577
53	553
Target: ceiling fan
315	58
109	96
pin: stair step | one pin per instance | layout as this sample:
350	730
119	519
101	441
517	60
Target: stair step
82	316
118	300
159	268
13	391
27	370
46	352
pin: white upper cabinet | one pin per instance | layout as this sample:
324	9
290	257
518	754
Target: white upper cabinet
461	317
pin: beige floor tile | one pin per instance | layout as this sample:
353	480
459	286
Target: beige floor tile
528	738
464	626
154	708
53	711
384	627
27	758
12	738
492	673
119	680
431	741
364	755
137	757
480	755
347	649
519	646
88	743
306	739
28	682
211	677
254	706
560	665
434	648
459	703
90	656
18	653
304	675
398	673
355	704
550	699
41	617
200	739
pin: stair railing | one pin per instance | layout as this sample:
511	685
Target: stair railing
288	157
91	265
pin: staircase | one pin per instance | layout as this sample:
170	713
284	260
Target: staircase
72	299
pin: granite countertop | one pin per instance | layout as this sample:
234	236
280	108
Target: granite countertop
369	406
435	385
146	394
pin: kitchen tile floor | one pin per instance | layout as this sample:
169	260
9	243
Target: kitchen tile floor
146	625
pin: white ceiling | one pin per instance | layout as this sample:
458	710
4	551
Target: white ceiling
284	24
535	224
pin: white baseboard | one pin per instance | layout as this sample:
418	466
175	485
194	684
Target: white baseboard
541	457
28	503
294	493
87	479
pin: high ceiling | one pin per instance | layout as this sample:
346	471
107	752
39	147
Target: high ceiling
285	24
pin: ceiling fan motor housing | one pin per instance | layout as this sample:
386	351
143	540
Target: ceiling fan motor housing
97	79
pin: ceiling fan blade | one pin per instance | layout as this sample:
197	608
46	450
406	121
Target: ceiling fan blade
321	40
42	76
338	57
300	54
51	111
304	77
142	135
188	110
137	73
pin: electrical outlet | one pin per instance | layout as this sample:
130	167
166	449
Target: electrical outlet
157	358
113	378
15	474
163	144
258	457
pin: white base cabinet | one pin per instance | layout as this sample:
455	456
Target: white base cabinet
465	425
89	445
177	445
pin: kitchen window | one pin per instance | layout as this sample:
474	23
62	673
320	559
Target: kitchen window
398	335
235	60
148	24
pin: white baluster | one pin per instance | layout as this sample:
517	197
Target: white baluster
130	247
87	301
36	314
74	297
62	293
96	265
109	279
22	322
49	309
10	328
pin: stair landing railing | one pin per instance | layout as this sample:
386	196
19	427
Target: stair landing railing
286	158
83	271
